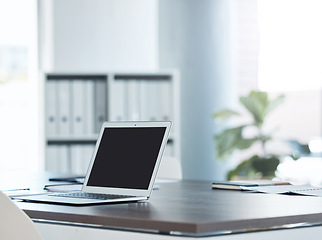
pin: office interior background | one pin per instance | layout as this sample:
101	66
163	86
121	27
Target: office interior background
222	49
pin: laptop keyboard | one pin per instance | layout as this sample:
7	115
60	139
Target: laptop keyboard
90	195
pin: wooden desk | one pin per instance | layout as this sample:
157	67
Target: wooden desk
186	208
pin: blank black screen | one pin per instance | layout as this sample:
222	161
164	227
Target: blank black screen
126	157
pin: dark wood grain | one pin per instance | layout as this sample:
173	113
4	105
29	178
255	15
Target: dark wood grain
186	206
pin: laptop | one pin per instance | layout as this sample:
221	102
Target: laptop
123	167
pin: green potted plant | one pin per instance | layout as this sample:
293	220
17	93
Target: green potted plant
258	105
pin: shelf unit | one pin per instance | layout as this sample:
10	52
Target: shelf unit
76	105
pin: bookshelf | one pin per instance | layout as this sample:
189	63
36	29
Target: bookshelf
76	105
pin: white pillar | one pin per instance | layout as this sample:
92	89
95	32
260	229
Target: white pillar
196	37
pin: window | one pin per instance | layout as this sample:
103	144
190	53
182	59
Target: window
19	111
280	51
290	54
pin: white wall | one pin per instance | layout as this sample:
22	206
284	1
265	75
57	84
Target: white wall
98	35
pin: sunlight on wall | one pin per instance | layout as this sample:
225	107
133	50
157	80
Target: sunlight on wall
19	112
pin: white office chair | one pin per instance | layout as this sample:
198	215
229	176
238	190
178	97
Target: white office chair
170	168
15	223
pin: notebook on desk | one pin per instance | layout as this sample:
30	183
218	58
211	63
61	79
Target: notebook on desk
123	167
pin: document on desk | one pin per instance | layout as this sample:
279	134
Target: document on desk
306	190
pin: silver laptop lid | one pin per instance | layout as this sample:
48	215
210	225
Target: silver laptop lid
126	158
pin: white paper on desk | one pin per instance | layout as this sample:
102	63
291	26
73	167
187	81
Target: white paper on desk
281	189
313	191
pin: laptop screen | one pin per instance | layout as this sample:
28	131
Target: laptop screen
126	157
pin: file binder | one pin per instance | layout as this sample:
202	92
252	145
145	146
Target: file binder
143	100
77	110
118	107
63	107
152	100
63	158
76	152
51	158
89	107
51	108
133	99
100	104
165	100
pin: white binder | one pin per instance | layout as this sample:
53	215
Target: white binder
119	102
152	100
51	158
88	150
63	107
165	101
89	107
63	158
77	110
100	104
51	108
76	156
80	157
143	101
133	99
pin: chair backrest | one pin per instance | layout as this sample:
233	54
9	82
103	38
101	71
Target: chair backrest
15	223
170	168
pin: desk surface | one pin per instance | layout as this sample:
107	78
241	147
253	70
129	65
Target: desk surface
188	207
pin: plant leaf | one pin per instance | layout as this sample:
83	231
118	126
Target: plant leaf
224	114
228	141
256	103
244	143
244	169
274	103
